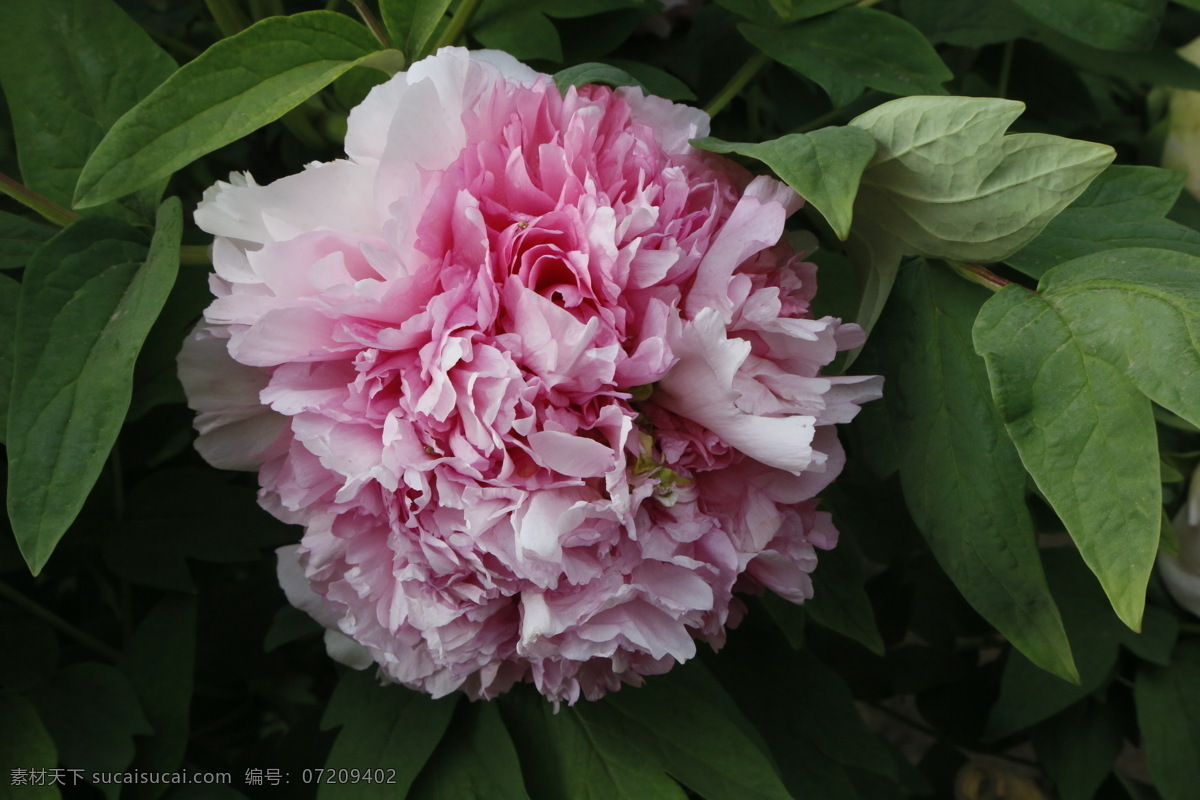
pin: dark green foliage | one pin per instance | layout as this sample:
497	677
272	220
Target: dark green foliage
1035	313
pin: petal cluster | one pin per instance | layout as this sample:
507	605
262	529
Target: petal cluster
538	378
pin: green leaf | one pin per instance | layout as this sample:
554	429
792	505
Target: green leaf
93	714
961	476
806	714
1168	711
772	13
1078	748
523	32
569	756
1029	695
1125	25
1085	434
19	239
876	48
947	183
1124	207
87	302
159	663
1070	386
289	624
24	744
233	88
1156	642
70	69
966	23
388	727
694	730
476	760
1160	65
824	166
188	513
593	72
10	296
655	80
839	600
411	23
1150	302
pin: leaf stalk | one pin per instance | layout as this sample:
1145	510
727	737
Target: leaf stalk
737	82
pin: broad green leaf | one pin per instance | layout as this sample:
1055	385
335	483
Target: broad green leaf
655	80
289	624
1029	695
10	296
1078	747
1084	431
824	166
1125	25
593	72
879	49
523	32
1124	207
947	183
961	476
839	600
966	23
388	727
411	23
1149	328
1168	711
233	88
805	713
89	297
159	663
19	239
24	744
70	69
1160	65
1156	642
567	756
93	714
773	13
188	513
694	730
475	761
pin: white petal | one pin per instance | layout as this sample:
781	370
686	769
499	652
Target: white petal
700	387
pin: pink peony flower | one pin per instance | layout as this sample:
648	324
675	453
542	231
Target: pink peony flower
537	378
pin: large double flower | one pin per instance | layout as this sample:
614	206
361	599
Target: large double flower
537	377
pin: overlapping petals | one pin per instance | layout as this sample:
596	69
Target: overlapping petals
538	379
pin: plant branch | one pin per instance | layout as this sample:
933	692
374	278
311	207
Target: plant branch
44	206
373	23
46	615
980	275
737	82
458	24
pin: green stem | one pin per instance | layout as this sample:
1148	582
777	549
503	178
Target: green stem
27	197
118	479
87	640
458	24
229	18
1005	69
194	255
373	23
737	82
980	275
